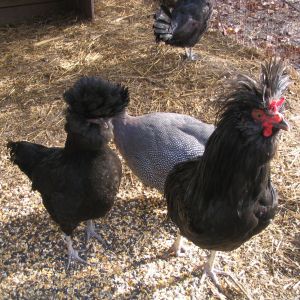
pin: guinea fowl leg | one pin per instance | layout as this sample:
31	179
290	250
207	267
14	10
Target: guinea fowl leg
72	253
208	270
190	55
90	232
177	248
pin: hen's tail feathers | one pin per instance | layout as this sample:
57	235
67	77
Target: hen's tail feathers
26	155
94	97
162	25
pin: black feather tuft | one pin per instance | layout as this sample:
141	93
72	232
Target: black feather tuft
93	97
246	93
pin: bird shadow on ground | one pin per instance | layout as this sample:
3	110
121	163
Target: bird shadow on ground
133	220
35	237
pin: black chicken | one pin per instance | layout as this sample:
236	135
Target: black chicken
78	182
184	25
224	197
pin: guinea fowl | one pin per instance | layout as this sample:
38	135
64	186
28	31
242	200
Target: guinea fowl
154	143
80	181
183	25
223	198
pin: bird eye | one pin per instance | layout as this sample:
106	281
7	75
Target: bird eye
257	114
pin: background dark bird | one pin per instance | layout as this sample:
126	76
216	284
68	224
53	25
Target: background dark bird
223	198
183	25
78	182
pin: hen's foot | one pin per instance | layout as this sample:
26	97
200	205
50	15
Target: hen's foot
177	249
72	253
91	232
190	56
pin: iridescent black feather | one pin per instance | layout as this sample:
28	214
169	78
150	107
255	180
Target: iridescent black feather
225	197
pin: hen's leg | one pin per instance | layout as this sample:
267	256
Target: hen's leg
90	232
72	253
190	55
177	248
208	270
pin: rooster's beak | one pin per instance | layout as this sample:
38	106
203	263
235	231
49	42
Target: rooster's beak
282	125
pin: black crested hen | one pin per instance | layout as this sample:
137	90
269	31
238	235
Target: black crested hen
223	198
184	25
80	181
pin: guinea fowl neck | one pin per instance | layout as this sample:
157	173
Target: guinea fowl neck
120	128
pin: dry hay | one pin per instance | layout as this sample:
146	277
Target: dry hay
37	63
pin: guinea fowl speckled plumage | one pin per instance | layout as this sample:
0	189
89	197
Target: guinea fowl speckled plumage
80	181
153	144
223	198
184	24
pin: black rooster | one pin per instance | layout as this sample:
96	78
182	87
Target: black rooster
78	182
184	25
224	197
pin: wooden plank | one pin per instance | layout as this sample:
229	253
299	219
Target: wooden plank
23	13
26	11
13	3
86	8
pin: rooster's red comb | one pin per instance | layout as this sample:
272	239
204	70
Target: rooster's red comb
276	104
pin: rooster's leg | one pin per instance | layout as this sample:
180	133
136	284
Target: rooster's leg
190	55
210	272
90	232
177	248
72	253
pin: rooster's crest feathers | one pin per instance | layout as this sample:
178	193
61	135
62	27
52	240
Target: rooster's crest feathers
95	97
247	92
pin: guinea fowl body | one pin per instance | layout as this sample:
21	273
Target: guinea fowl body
153	144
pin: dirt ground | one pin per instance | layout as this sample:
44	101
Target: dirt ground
37	63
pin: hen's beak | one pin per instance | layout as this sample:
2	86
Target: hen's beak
282	125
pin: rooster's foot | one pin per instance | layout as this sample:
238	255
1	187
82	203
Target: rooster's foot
209	271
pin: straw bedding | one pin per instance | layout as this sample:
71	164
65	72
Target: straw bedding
37	63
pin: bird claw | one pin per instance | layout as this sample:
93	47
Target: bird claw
177	248
95	235
73	255
192	57
90	232
177	251
212	274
